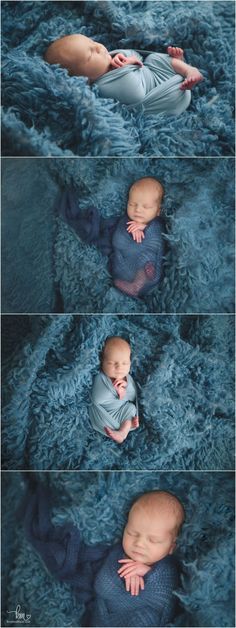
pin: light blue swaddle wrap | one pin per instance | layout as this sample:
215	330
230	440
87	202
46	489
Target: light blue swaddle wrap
106	408
155	86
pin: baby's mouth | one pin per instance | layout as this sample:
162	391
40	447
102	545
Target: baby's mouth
138	553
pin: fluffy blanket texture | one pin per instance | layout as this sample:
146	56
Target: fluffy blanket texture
205	546
43	256
183	370
46	112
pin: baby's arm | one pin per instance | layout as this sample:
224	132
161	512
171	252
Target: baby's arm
120	60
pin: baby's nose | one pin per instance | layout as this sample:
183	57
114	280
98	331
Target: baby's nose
139	542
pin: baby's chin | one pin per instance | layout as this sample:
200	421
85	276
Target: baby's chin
140	220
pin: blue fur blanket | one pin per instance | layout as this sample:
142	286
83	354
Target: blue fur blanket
98	504
46	112
43	256
183	369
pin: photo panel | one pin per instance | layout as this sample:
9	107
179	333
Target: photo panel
69	242
152	87
64	533
71	389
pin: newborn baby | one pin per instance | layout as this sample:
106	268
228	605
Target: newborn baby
113	409
151	79
134	243
136	260
129	584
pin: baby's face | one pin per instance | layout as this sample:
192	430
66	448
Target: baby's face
144	203
87	57
147	537
116	361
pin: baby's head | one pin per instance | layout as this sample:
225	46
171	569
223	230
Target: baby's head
116	357
144	202
153	525
80	55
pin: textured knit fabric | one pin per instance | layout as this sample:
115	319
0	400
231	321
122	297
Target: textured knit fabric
92	570
107	409
155	606
155	86
129	257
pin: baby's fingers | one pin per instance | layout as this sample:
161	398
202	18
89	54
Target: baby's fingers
125	560
136	585
133	586
126	571
118	382
139	236
141	582
127	584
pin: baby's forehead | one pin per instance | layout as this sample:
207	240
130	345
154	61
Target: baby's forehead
146	185
117	345
152	509
73	41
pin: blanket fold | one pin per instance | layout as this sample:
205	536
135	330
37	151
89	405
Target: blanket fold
155	86
90	226
64	553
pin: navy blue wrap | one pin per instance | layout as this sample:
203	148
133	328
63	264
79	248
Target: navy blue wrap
88	224
92	570
129	257
65	555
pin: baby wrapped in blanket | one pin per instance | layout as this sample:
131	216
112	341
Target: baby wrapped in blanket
114	408
134	243
151	80
137	243
129	584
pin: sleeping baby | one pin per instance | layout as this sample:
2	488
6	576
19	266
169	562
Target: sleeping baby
160	83
133	243
129	584
113	409
137	243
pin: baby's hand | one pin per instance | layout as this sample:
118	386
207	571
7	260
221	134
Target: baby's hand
119	60
136	229
120	385
134	584
132	60
132	568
